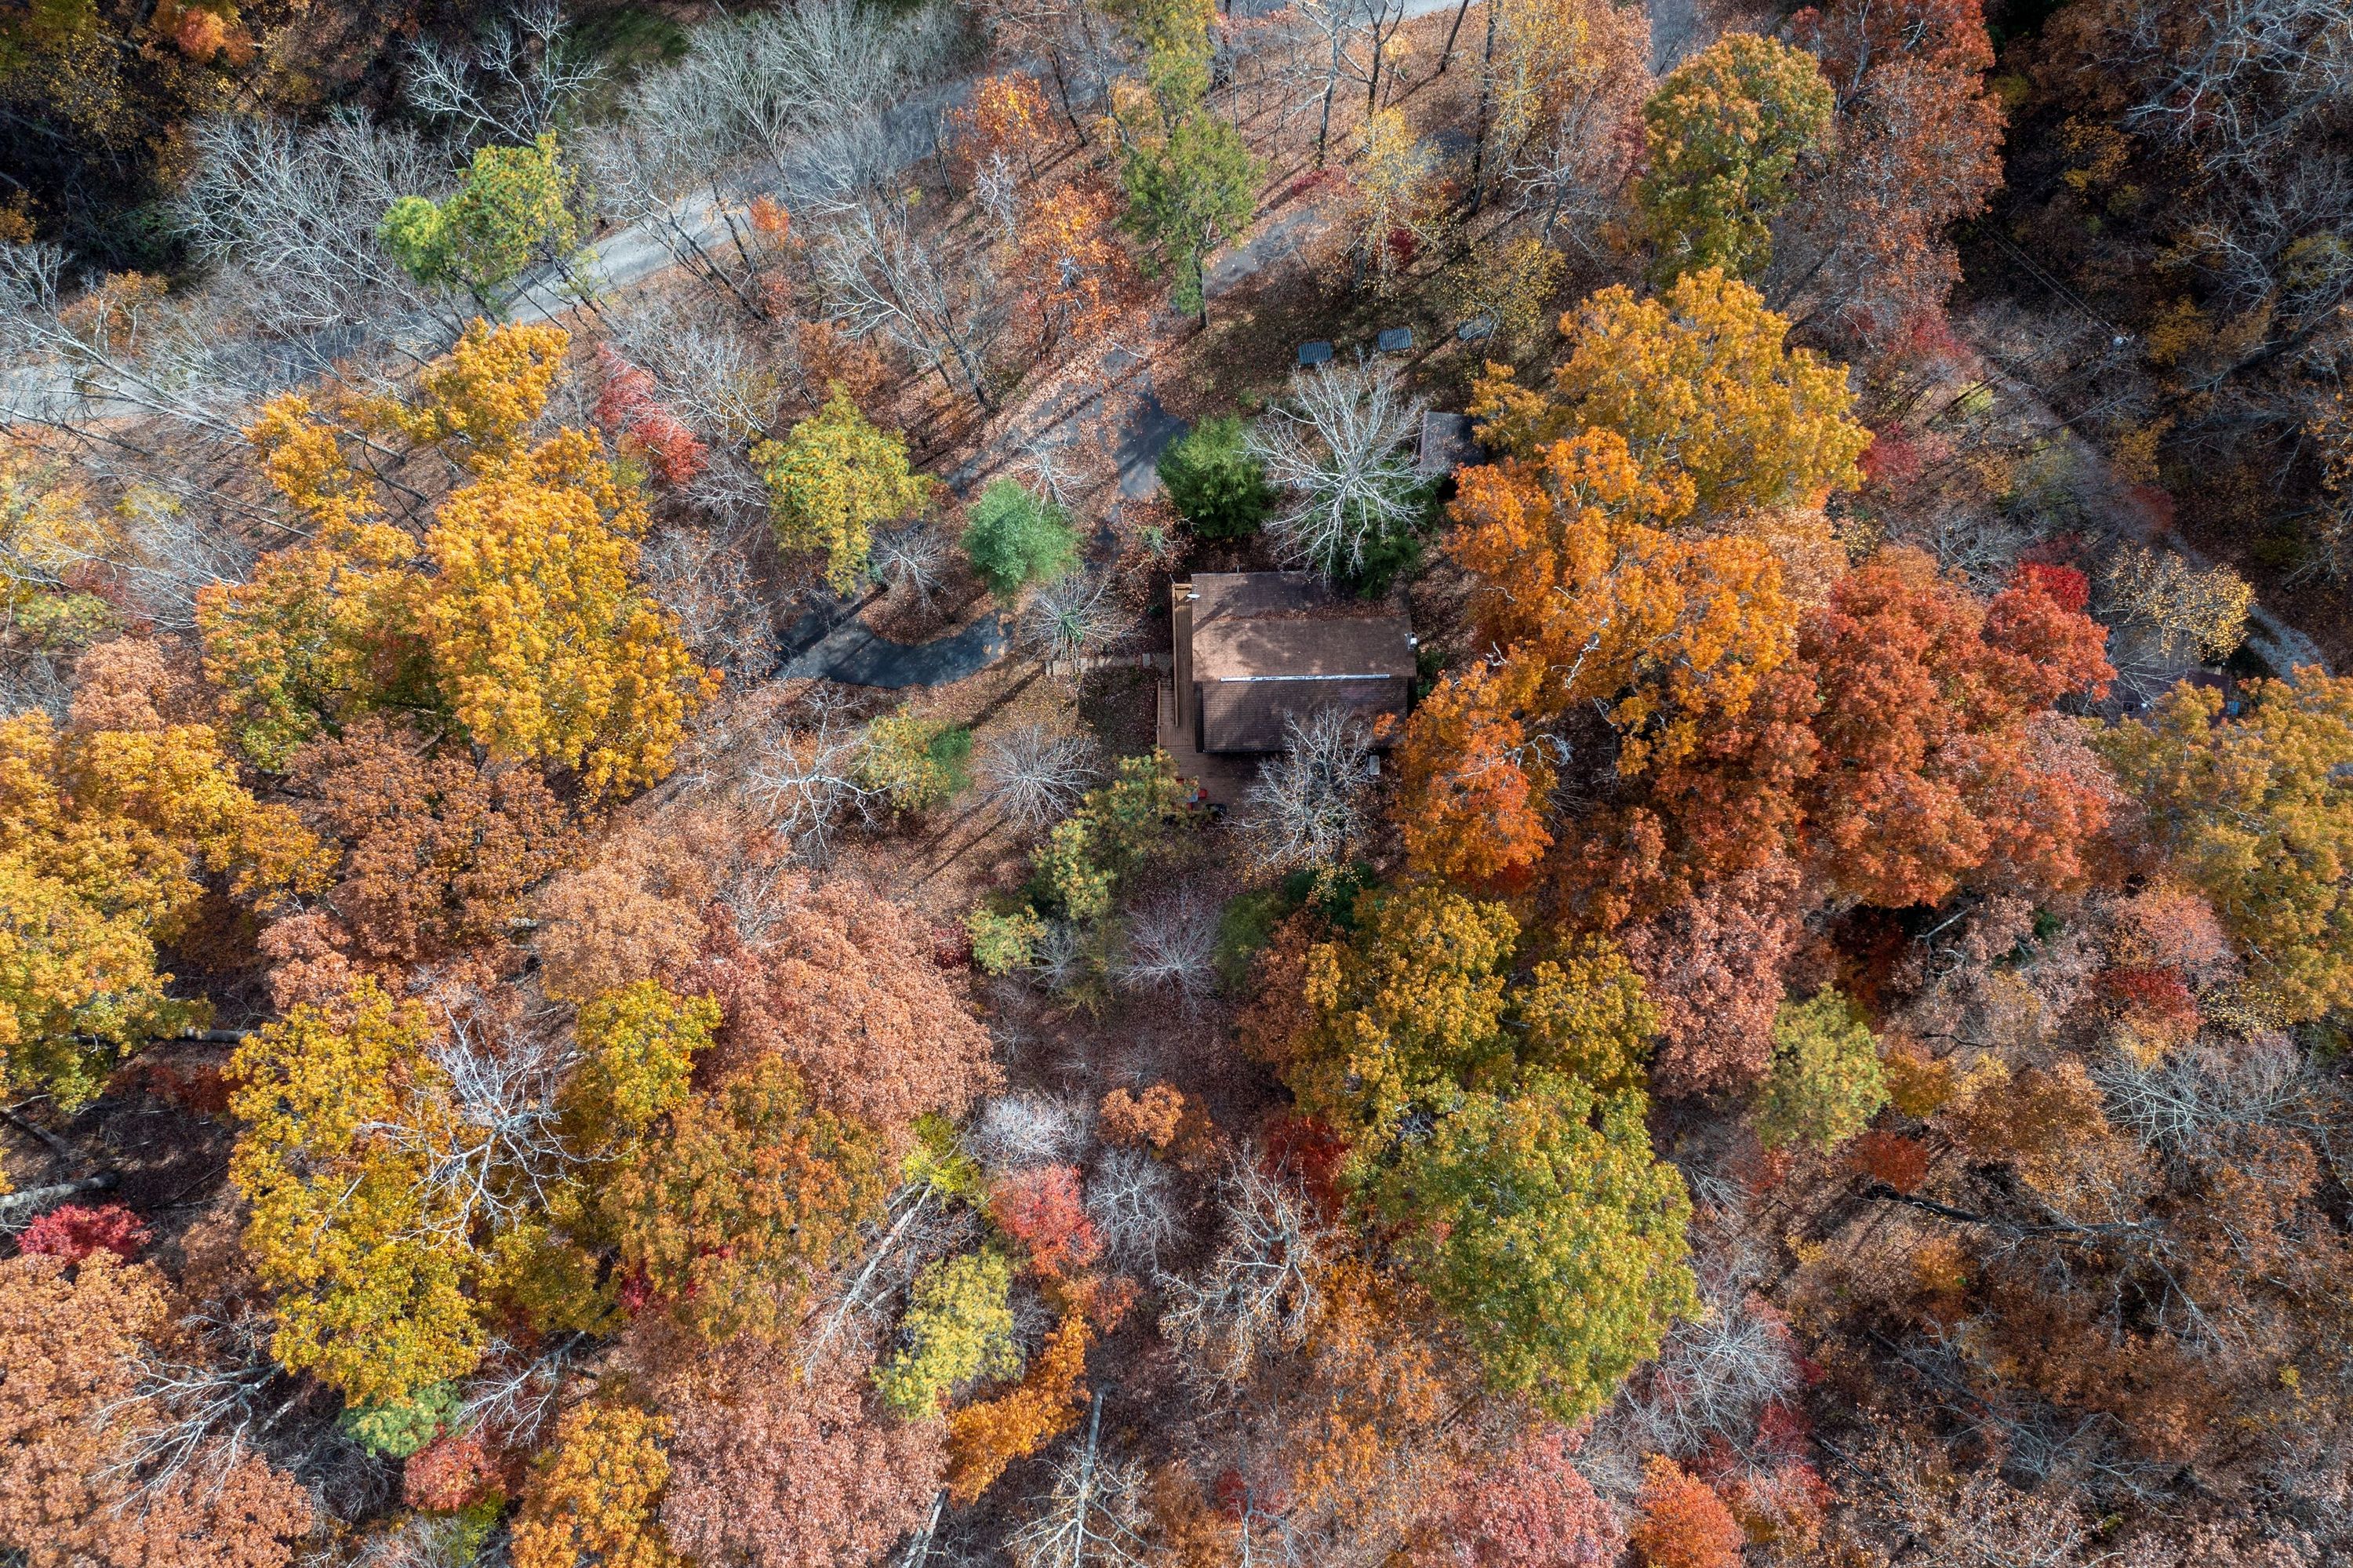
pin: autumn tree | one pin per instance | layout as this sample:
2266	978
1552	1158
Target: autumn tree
1069	266
844	985
1702	385
1502	286
73	1231
733	1208
831	478
1395	208
2251	808
1533	1509
637	1045
1008	115
1472	781
1725	131
441	852
1589	599
988	1435
519	615
1909	746
595	1495
1043	1210
1421	1004
775	1470
591	675
1576	568
373	1281
958	1330
1683	1523
76	1339
112	829
1711	962
1939	757
1917	148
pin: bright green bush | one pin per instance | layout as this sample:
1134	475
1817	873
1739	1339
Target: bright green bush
1014	538
396	1430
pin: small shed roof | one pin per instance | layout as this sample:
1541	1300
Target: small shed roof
1258	626
1448	443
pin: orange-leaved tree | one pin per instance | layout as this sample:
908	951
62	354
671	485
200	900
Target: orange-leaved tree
1589	600
593	1499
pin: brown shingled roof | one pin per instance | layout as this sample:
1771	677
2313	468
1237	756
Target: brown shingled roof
1262	625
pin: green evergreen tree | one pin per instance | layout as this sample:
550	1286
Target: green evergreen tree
513	208
1188	194
1014	538
1214	480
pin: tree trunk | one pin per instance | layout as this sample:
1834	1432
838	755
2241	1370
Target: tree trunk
1487	87
18	1210
1447	57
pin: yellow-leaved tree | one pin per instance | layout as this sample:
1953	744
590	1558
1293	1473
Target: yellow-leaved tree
832	478
517	617
374	1274
1701	383
408	1186
112	829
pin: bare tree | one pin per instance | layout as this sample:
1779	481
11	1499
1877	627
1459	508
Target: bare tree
516	1390
74	369
176	546
1306	811
1132	1202
1015	1132
1259	1294
490	1148
1339	446
809	783
1345	40
659	172
881	277
516	81
1715	1376
290	214
1172	950
2200	1101
913	557
1036	775
701	575
1577	167
196	1415
820	64
1095	1512
997	189
1071	618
